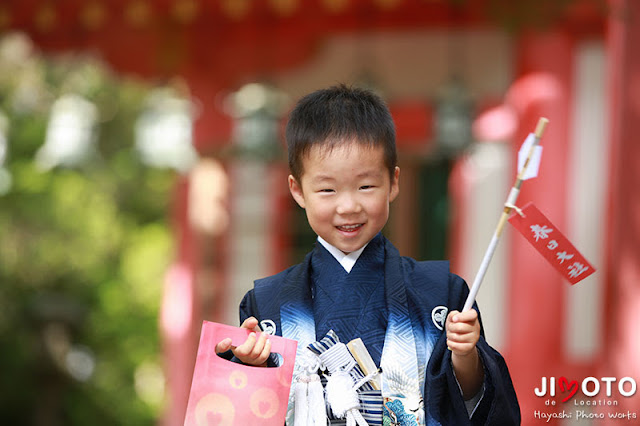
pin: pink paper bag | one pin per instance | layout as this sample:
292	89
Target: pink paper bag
225	393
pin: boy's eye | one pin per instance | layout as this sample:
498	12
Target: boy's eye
326	190
366	187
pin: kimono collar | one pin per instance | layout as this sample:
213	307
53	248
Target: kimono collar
402	353
347	260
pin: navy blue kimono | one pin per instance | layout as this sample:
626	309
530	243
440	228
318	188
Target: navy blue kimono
429	287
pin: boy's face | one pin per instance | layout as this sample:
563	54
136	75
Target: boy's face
346	193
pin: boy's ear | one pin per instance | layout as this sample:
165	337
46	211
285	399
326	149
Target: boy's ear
296	191
395	185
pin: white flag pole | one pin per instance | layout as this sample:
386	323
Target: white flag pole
508	206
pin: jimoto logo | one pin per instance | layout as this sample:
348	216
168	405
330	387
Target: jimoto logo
587	399
589	387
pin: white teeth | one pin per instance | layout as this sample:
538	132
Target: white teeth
349	227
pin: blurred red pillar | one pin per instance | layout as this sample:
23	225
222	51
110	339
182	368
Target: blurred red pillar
536	300
179	315
623	245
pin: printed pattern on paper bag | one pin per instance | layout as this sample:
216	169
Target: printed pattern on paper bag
552	244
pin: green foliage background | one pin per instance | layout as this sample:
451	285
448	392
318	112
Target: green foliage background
82	253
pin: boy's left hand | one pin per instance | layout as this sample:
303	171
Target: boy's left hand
463	331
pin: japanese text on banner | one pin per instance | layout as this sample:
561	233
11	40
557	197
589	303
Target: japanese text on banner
552	244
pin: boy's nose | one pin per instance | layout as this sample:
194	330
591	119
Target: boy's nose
348	204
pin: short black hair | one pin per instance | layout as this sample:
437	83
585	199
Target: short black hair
330	116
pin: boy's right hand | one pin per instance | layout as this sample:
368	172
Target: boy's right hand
254	351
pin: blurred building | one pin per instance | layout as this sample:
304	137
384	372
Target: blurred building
466	82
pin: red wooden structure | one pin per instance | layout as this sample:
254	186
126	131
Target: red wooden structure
218	46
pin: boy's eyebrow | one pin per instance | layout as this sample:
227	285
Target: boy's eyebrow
321	176
365	174
369	173
322	179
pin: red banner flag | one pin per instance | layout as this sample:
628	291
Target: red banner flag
552	244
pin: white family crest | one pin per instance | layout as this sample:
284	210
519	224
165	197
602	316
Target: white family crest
268	326
439	316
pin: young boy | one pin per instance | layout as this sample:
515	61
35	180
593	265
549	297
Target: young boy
436	367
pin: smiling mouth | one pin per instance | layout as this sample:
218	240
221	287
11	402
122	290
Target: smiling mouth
349	228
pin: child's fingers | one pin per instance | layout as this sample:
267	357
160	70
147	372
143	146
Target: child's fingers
460	348
462	323
458	338
255	350
469	316
463	331
258	348
264	355
244	350
461	338
223	345
460	328
260	351
251	323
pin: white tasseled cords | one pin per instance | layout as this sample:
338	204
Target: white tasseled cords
342	393
301	401
317	407
310	408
